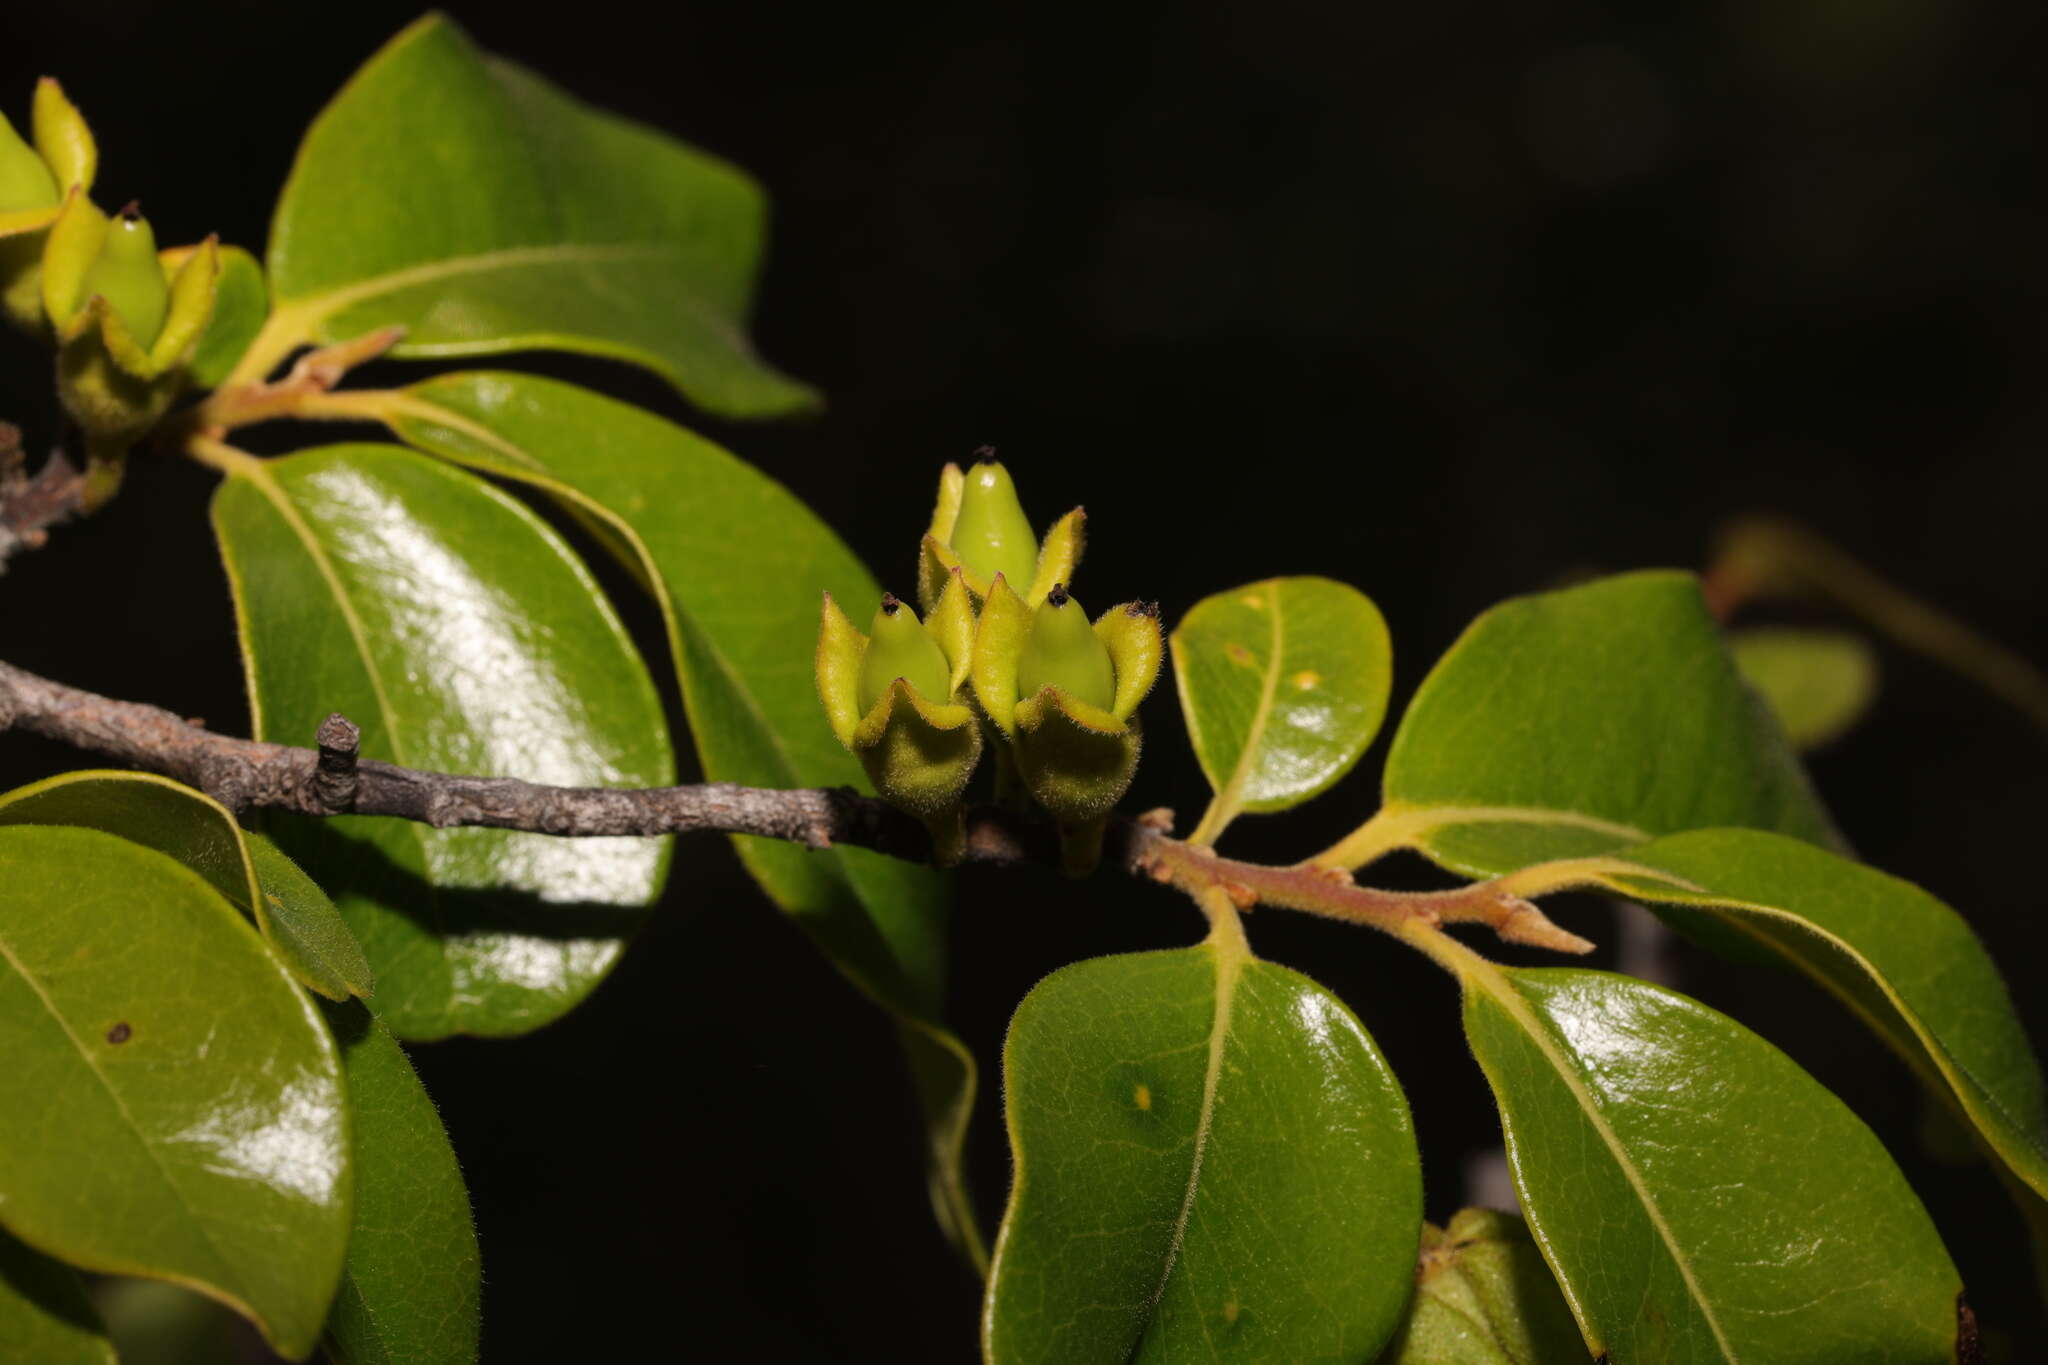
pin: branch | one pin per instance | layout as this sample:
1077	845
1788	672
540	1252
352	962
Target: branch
333	779
31	505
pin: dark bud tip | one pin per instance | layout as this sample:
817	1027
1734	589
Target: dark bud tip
1058	596
984	454
1141	609
131	210
889	604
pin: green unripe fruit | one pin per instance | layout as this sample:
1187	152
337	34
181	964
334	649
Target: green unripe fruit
992	535
25	181
898	647
1063	652
129	277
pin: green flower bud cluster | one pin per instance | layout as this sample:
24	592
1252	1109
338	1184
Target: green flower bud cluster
1026	674
124	316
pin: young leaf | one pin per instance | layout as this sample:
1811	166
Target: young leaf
1903	961
44	1315
1483	1296
410	1290
1283	684
737	565
1577	722
173	1105
1213	1161
1818	682
298	921
1699	1196
241	303
486	211
461	635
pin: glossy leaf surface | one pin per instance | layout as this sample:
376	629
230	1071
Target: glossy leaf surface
174	1106
1818	682
462	635
737	564
1577	722
487	211
1283	683
1904	961
1213	1162
1483	1296
300	923
44	1315
409	1294
1699	1196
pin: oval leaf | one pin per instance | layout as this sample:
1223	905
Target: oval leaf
1483	1296
1283	684
1699	1196
1906	964
296	918
1213	1161
409	1293
1577	722
199	1099
44	1315
736	563
1817	682
461	635
485	211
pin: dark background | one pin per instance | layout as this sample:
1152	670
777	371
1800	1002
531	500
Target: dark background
1449	301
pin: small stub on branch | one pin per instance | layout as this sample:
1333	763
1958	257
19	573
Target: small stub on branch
334	777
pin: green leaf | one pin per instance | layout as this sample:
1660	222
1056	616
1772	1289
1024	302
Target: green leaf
1904	962
241	304
737	565
1818	682
486	211
1699	1196
1483	1296
174	1105
1213	1162
410	1292
44	1316
461	635
1283	684
1578	722
305	926
299	922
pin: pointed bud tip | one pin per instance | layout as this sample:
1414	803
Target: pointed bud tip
131	211
889	604
1141	609
1058	597
984	454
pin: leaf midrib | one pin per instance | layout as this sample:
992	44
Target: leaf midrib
1229	957
257	472
1230	801
1503	993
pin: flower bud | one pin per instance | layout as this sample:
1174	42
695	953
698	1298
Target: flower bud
889	701
991	534
1064	652
979	528
33	185
898	647
1064	696
129	277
